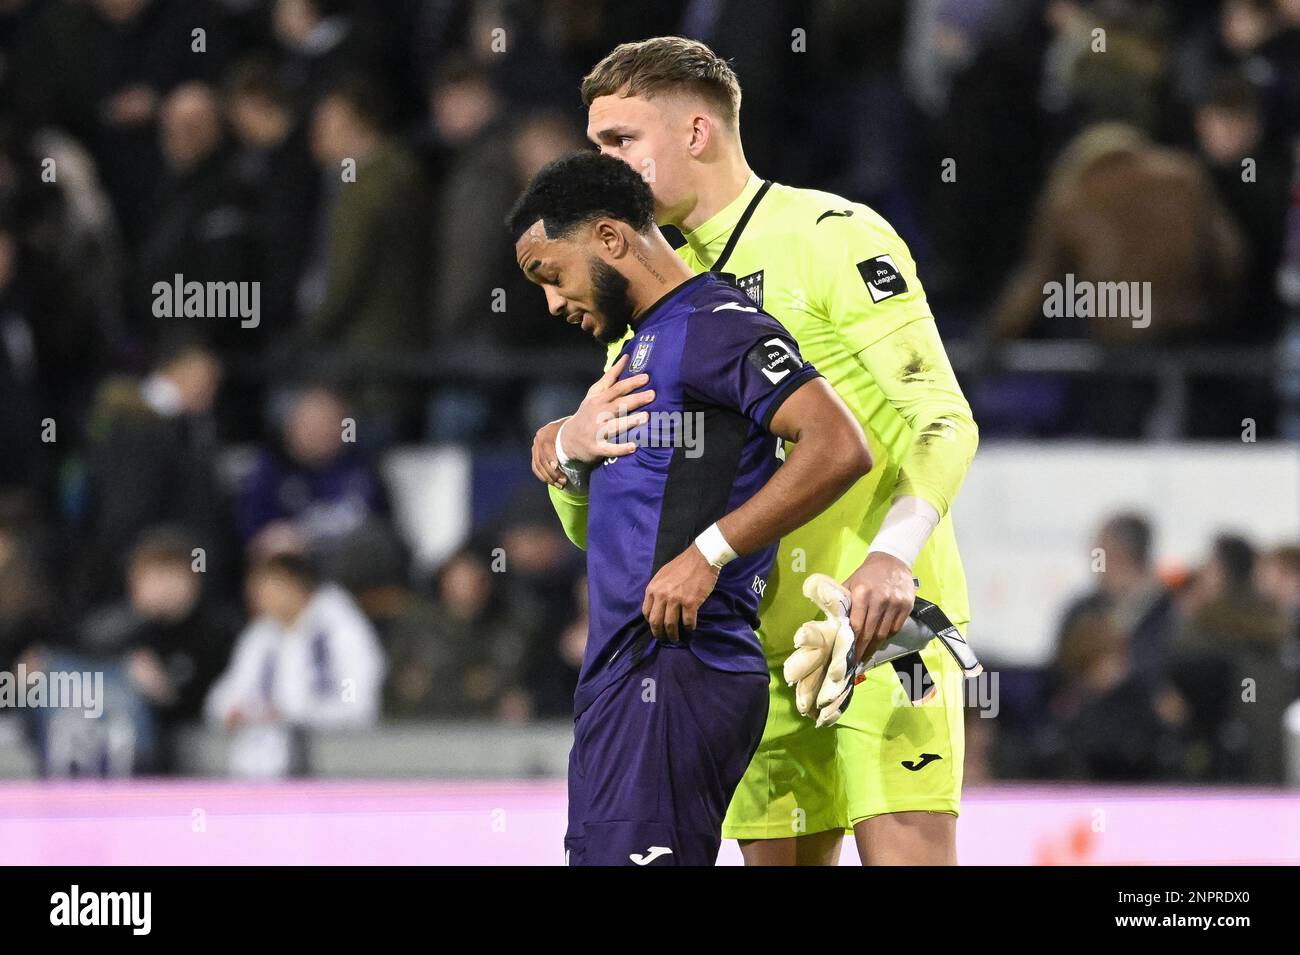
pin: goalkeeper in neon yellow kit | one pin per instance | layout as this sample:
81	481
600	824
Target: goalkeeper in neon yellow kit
842	281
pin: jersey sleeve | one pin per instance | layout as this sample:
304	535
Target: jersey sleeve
572	511
740	358
912	369
877	308
868	282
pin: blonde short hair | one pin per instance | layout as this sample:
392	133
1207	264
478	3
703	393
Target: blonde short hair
666	64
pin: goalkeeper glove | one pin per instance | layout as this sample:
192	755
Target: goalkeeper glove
821	647
821	668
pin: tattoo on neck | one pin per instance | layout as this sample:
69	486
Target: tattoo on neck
640	257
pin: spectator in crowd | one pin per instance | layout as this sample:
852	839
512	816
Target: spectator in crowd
1105	721
367	275
478	187
1127	85
966	66
170	635
1222	607
1119	209
102	69
1277	578
322	40
1129	595
551	672
276	176
27	617
60	279
375	217
1261	39
1253	182
539	564
463	137
18	372
200	228
309	658
463	660
315	488
1228	659
152	461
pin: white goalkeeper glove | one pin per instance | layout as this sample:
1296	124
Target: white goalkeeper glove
821	667
823	653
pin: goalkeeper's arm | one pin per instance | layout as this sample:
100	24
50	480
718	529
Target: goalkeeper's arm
609	410
913	371
571	508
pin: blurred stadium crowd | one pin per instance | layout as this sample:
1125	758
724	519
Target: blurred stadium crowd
1150	670
146	139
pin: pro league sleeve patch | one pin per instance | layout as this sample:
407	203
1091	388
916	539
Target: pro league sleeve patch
882	277
775	358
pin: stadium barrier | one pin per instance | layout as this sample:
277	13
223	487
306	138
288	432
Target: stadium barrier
1171	368
441	750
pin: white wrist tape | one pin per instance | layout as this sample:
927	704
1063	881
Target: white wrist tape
714	547
559	446
906	528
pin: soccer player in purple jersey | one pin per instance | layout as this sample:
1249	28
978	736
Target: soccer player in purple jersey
672	696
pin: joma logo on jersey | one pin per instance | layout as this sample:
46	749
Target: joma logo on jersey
642	353
752	285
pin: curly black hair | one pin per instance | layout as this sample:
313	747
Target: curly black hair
579	188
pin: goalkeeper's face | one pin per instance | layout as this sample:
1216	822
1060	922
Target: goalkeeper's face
656	137
581	286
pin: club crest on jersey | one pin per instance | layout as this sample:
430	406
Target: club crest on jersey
641	354
752	285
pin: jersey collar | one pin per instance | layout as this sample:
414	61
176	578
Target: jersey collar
660	306
707	239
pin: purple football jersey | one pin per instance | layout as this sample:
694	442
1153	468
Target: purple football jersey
720	368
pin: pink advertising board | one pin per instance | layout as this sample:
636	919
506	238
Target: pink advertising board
199	822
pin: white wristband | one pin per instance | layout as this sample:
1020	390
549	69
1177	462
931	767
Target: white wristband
714	547
906	528
559	446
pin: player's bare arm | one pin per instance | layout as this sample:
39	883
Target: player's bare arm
830	454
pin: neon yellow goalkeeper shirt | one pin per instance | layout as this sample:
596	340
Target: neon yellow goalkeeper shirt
842	281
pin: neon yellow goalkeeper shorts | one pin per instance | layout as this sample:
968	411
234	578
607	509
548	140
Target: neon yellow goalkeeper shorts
883	755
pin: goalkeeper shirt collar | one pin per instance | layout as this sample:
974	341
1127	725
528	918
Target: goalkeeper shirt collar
708	239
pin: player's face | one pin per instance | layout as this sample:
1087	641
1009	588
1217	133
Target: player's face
580	286
653	137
